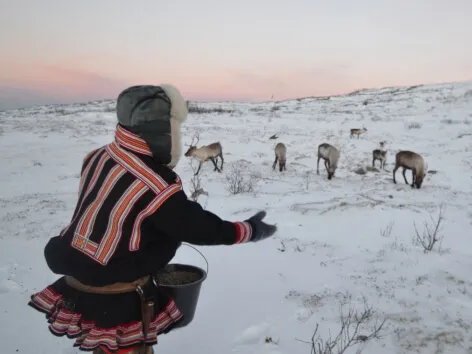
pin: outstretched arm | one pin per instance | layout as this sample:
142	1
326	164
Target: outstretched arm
187	221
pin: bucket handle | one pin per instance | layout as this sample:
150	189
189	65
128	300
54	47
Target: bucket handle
201	254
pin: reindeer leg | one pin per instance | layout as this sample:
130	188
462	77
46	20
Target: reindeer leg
275	162
318	165
413	178
394	171
373	162
358	136
213	161
199	167
404	175
327	164
222	161
281	166
214	164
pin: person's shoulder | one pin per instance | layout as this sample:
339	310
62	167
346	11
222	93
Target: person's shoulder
164	172
168	175
89	156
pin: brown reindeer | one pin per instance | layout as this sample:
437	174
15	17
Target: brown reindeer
330	155
203	154
410	160
380	155
357	132
280	156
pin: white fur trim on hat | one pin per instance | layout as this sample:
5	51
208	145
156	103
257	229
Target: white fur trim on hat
178	113
176	149
178	108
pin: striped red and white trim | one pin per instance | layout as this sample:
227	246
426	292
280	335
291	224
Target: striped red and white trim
88	336
90	157
98	170
86	223
118	215
149	210
131	141
136	167
244	231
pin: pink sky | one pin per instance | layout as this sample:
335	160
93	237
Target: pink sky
245	50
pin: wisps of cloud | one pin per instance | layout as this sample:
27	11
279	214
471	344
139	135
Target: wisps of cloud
80	83
55	84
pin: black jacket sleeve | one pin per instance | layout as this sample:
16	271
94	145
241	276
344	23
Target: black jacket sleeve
186	221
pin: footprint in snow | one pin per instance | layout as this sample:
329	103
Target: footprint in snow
253	335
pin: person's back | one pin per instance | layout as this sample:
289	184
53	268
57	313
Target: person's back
121	185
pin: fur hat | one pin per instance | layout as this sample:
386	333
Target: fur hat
155	113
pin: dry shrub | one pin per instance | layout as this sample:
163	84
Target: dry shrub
241	178
351	334
431	232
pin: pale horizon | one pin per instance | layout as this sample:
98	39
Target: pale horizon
67	52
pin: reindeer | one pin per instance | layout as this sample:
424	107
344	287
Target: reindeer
380	155
382	145
330	155
357	132
280	156
410	160
203	154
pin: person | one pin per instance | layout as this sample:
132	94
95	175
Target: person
131	217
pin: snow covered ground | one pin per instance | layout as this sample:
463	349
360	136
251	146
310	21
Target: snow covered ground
338	242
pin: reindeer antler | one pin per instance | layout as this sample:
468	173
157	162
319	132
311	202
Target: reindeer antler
196	136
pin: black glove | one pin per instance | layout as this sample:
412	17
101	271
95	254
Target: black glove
260	230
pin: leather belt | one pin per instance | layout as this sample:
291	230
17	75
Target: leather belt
115	288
